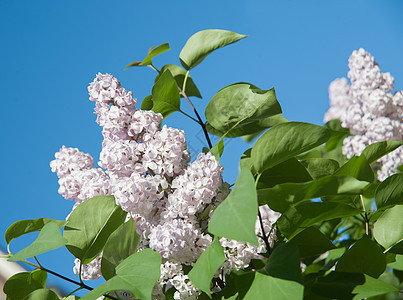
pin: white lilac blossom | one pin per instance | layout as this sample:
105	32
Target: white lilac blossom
90	271
70	159
369	109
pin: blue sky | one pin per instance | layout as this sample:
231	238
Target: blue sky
51	50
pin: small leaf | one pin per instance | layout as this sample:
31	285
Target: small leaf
49	238
147	103
320	167
154	51
284	141
90	224
375	151
21	284
122	243
137	274
397	264
388	230
357	167
235	217
206	266
202	43
165	95
43	294
312	242
390	191
364	256
218	149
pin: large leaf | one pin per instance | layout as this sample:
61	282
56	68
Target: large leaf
165	95
375	151
282	196
235	217
312	242
284	141
320	167
238	105
137	274
202	43
152	52
49	238
122	243
357	167
364	256
388	230
43	294
207	265
22	227
390	191
21	284
179	75
304	215
90	224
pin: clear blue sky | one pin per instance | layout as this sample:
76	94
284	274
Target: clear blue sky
51	50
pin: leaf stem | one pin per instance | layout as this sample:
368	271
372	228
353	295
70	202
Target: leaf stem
266	241
181	111
185	80
367	231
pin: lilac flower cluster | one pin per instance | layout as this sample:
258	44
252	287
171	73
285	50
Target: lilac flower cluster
146	167
369	109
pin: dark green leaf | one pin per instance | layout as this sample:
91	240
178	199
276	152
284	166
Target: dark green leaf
235	217
152	52
90	224
284	141
357	167
206	266
364	256
42	294
21	284
312	242
165	93
320	167
388	230
137	274
147	103
390	191
49	238
26	226
202	43
375	151
122	243
338	134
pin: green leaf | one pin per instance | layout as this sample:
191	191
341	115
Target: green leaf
375	151
397	264
49	238
284	195
147	103
43	294
235	217
364	256
284	141
357	167
373	287
206	266
122	243
246	161
239	104
165	95
21	284
22	227
304	215
202	43
218	149
179	75
90	224
388	230
320	167
312	242
390	191
152	52
290	170
338	134
137	274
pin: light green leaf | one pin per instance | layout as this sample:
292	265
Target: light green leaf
388	230
364	256
375	151
235	217
206	266
372	287
147	103
22	227
49	238
122	243
320	167
397	264
137	274
42	294
284	141
312	242
240	104
202	43
357	167
21	284
165	95
218	149
152	52
90	224
390	191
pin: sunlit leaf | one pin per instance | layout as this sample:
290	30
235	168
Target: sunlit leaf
43	294
320	167
390	191
388	230
154	51
165	95
375	151
357	167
